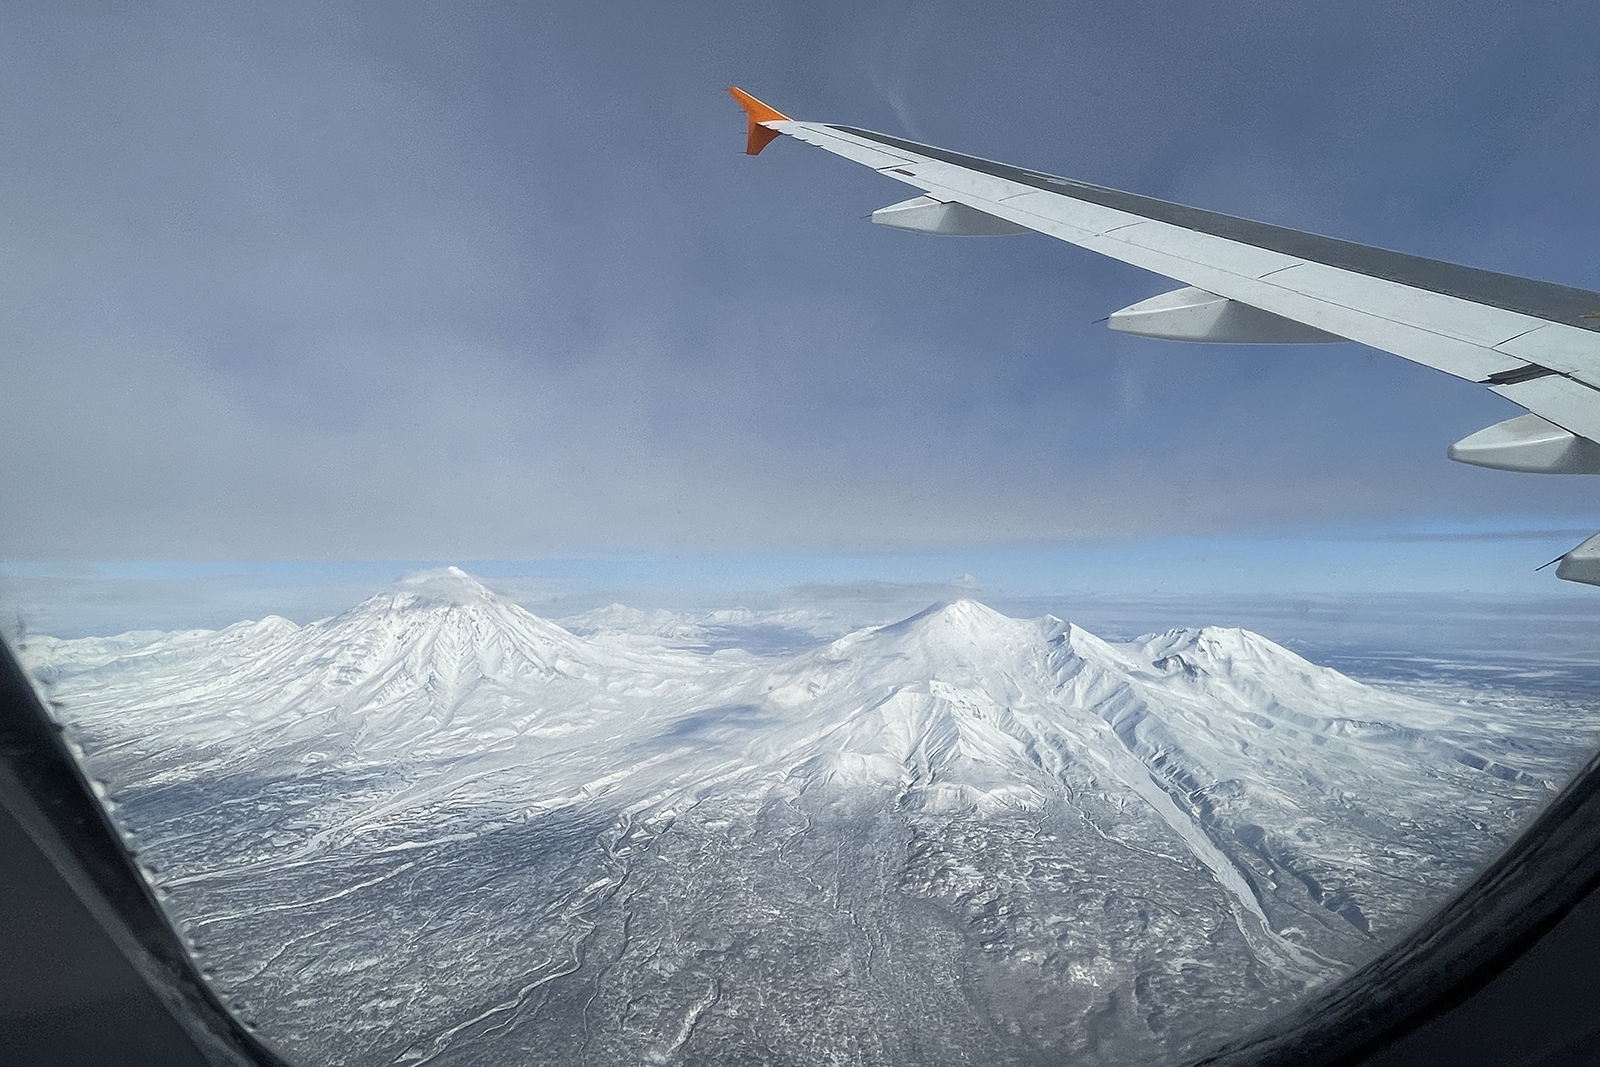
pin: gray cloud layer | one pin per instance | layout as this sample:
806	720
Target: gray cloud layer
426	281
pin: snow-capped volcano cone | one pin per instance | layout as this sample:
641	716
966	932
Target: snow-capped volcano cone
446	629
1250	663
964	641
958	706
441	667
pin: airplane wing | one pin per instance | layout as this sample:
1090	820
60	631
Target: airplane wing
1533	342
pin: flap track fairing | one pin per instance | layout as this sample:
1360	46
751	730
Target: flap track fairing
1529	445
1582	564
924	214
1191	314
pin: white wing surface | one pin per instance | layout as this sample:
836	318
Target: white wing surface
1533	342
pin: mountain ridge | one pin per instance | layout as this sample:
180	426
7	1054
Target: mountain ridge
925	816
1214	733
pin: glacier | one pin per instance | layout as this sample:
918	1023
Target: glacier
438	829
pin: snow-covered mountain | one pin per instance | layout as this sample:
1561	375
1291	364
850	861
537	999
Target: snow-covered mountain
1076	816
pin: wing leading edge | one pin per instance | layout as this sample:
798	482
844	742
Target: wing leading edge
1533	342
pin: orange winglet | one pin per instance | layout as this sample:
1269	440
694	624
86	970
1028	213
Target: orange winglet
760	136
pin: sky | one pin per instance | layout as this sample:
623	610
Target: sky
1288	589
488	281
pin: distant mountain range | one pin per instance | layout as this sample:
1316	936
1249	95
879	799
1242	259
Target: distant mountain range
1159	834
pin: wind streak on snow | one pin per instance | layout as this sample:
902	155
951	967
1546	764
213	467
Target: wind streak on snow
578	916
1249	915
686	1027
312	902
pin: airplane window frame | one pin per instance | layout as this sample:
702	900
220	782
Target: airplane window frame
45	790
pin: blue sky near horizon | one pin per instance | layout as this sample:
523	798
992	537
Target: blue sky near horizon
495	282
1462	573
